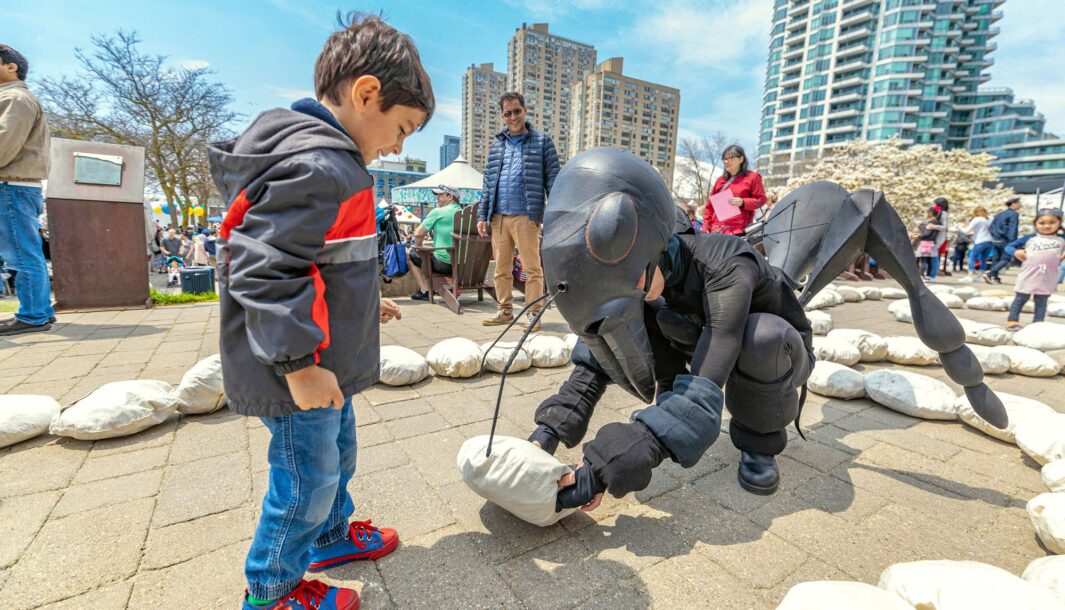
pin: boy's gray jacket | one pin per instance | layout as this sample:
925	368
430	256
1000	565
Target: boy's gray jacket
297	260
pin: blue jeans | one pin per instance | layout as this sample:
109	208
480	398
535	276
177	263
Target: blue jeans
1018	303
981	252
312	458
934	271
20	247
1002	260
1061	272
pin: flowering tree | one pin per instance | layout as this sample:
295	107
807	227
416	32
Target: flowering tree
911	177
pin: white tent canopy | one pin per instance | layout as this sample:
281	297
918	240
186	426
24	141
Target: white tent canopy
458	175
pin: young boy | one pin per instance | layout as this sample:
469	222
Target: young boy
300	299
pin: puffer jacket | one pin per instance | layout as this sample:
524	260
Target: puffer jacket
297	258
540	168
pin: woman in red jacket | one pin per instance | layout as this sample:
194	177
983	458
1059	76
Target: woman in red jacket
748	194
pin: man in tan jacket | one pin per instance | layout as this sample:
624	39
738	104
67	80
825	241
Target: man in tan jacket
23	165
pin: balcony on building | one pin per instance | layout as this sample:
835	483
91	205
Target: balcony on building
858	17
858	32
798	6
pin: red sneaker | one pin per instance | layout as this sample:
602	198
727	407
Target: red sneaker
364	542
312	595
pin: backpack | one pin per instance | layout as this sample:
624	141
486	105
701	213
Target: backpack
393	254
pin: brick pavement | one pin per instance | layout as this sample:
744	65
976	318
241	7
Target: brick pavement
165	517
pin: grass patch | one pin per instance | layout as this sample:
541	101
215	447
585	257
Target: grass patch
8	305
162	298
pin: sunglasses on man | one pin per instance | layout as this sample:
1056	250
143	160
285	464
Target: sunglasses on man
515	112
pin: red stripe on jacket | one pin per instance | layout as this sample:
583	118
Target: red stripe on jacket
319	310
235	214
356	217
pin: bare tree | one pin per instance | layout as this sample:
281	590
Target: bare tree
124	96
701	161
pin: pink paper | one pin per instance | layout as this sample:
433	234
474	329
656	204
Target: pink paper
722	207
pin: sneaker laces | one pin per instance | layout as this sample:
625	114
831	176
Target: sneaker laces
362	533
310	593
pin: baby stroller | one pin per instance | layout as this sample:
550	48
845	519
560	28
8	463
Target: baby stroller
174	265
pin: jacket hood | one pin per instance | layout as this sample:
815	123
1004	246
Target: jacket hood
273	136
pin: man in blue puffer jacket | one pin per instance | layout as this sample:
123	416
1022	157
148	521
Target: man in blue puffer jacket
522	164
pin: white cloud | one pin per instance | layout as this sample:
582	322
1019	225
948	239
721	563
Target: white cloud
194	64
449	108
548	10
1028	59
290	94
721	35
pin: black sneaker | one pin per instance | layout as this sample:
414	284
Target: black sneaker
14	326
421	295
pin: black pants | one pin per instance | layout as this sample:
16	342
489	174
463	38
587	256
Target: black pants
438	265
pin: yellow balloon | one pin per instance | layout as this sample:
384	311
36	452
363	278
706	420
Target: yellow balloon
158	209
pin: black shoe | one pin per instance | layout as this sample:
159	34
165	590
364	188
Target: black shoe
758	473
51	320
14	326
421	295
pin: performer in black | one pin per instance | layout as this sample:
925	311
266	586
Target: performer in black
672	316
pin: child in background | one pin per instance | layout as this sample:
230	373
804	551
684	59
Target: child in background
926	243
174	264
1040	254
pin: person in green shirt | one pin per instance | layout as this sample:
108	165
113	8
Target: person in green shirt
440	222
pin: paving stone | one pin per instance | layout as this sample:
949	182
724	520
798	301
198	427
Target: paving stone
461	409
414	577
566	568
905	439
434	455
689	581
173	544
400	499
259	446
403	409
31	468
380	458
815	454
622	595
218	577
21	518
839	498
157	436
961	435
1012	471
382	395
56	389
374	434
97	494
122	358
106	466
204	487
71	547
633	538
110	597
83	348
143	345
198	437
504	535
417	425
813	569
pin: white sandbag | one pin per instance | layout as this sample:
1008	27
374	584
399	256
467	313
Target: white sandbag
870	293
519	477
910	350
952	301
455	357
1047	513
547	351
836	381
901	311
1057	298
992	361
571	341
1056	310
832	287
997	292
1047	572
872	347
1053	474
986	303
24	416
402	366
500	354
820	321
1029	362
825	298
966	292
1058	355
940	289
964	585
840	595
201	389
1042	437
982	333
890	292
912	394
850	294
836	351
1018	408
117	409
1043	336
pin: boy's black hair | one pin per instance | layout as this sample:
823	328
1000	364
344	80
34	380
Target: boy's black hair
11	56
511	96
367	46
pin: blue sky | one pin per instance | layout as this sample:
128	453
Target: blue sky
713	50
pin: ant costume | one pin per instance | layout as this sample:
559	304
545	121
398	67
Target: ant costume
727	318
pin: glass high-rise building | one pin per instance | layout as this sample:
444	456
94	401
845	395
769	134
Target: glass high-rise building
875	69
482	87
449	150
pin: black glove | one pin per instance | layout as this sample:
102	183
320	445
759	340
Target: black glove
546	437
622	456
581	492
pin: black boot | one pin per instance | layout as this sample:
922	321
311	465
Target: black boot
758	473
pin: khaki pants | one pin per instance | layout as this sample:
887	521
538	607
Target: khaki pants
509	231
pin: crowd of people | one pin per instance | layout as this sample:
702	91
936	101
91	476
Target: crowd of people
173	249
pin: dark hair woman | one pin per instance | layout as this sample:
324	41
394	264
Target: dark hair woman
747	194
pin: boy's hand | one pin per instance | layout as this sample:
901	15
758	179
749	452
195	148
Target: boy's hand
1021	255
482	228
389	310
314	388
